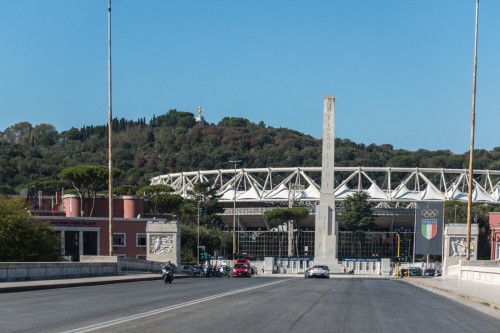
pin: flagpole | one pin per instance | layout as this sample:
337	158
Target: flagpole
110	127
471	151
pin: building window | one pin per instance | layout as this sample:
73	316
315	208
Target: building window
121	255
498	251
140	240
140	257
118	239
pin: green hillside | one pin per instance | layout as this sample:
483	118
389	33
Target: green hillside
32	156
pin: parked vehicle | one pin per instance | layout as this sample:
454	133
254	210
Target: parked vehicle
225	271
207	270
414	271
216	271
317	271
167	271
438	272
241	268
186	269
197	270
429	272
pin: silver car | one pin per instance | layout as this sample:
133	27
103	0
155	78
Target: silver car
317	271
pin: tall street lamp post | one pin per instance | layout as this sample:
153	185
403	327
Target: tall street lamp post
110	131
234	206
198	237
471	150
399	255
291	198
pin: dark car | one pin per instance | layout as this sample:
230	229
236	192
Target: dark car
206	270
429	272
197	270
414	271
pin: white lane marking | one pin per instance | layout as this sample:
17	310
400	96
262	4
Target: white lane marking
118	321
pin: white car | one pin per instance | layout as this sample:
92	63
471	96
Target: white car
317	271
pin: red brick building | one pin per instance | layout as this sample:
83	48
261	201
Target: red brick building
89	235
495	235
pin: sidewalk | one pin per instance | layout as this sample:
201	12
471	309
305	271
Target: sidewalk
480	293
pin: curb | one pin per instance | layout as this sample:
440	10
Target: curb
57	284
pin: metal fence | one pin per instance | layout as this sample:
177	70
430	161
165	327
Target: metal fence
259	244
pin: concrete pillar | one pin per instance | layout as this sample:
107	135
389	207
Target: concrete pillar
163	241
325	250
455	237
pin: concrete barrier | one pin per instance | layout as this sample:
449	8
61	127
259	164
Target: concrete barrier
453	271
28	271
478	271
481	274
89	266
137	265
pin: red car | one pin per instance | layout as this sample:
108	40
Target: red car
241	268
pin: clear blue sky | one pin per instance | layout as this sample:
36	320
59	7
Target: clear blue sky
401	71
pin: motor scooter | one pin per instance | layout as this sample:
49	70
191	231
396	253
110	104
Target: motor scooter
167	273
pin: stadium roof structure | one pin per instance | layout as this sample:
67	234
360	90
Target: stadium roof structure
302	184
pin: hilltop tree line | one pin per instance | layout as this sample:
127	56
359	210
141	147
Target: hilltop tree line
33	156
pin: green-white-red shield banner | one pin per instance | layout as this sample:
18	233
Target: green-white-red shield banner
429	228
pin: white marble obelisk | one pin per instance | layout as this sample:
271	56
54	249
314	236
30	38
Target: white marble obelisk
325	249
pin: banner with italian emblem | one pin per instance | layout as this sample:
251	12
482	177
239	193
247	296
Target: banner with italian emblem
429	219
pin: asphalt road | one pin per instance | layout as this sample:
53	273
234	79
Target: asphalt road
259	304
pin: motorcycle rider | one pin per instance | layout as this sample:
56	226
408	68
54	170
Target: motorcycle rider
169	269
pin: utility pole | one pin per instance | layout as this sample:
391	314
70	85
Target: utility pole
234	206
198	236
110	130
471	152
399	255
291	197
